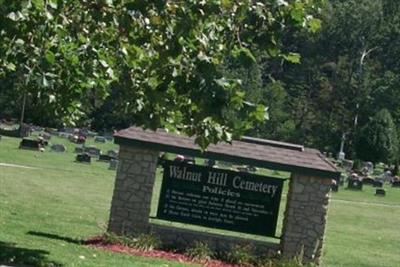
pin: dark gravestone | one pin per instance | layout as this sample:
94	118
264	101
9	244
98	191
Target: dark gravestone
29	144
335	187
105	158
100	139
210	162
0	137
79	150
112	153
113	164
380	192
378	184
396	184
83	158
368	181
354	184
46	136
243	169
92	151
43	142
58	148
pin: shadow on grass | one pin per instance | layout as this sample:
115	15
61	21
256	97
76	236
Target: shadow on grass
16	256
57	237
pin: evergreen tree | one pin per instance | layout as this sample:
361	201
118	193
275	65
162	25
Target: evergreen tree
377	141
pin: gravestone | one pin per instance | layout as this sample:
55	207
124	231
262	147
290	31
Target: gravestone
209	163
243	169
347	164
79	150
335	186
46	136
100	139
368	181
113	164
354	184
83	158
73	138
112	153
0	137
396	184
29	144
378	183
380	192
58	148
105	158
92	151
64	135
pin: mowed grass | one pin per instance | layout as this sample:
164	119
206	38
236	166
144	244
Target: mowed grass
46	211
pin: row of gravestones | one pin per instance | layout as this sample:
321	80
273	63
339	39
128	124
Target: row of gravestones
86	158
357	185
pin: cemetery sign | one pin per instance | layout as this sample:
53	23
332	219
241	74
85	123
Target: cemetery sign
218	198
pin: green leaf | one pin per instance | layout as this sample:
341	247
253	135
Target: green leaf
39	4
314	25
11	66
50	57
292	57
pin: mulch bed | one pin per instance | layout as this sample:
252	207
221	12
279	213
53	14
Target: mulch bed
98	242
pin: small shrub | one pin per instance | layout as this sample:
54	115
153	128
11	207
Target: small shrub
241	255
199	252
147	242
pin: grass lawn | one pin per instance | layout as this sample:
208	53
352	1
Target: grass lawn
46	211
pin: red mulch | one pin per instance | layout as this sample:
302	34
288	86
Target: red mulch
98	242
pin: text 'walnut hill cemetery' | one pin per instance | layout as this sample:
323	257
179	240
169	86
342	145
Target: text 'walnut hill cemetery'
220	198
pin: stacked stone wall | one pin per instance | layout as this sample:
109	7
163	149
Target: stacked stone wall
133	189
305	217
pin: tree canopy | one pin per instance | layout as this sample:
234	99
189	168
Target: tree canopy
165	56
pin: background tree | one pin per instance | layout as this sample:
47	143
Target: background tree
165	54
377	141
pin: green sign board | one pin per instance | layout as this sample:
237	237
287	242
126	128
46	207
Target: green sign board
218	198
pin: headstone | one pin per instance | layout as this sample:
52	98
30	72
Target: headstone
64	135
354	184
252	168
335	186
42	141
347	164
92	151
100	139
79	150
0	137
377	183
243	168
368	167
396	184
380	192
83	158
112	153
46	136
73	138
29	144
113	164
185	159
209	163
105	158
58	148
368	181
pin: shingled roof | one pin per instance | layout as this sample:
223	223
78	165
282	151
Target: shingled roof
252	151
